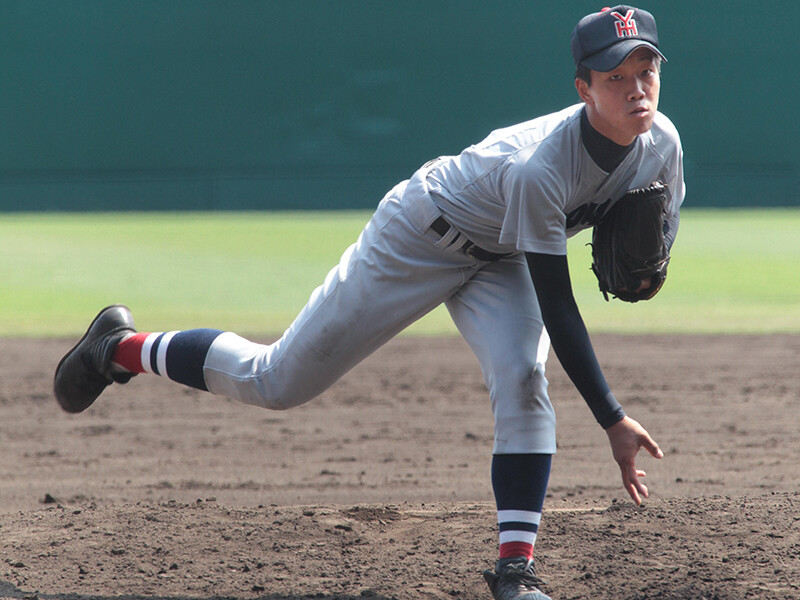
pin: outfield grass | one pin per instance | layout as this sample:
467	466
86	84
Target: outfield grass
732	271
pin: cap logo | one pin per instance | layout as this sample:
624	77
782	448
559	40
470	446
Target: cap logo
625	25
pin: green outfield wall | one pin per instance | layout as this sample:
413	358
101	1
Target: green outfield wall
271	104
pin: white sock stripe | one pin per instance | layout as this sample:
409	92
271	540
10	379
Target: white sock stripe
527	537
518	516
147	347
161	353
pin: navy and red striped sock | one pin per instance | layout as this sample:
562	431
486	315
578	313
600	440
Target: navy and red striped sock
177	355
520	484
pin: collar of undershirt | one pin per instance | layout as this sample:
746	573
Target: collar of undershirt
606	154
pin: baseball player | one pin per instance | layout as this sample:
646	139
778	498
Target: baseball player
484	232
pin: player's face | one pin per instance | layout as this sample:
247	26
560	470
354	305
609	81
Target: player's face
622	103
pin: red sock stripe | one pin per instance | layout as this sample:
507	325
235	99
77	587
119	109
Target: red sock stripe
128	353
513	549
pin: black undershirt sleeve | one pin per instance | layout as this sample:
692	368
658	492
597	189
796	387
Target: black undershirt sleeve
569	337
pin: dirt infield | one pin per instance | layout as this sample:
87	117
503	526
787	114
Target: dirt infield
380	488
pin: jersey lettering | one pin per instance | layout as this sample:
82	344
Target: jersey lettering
626	25
587	215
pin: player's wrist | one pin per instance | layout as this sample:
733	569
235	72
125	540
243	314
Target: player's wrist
607	411
612	419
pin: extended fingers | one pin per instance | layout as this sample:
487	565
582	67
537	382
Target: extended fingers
627	437
633	484
650	445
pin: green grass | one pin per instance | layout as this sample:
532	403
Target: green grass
731	271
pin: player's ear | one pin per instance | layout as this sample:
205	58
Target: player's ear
583	90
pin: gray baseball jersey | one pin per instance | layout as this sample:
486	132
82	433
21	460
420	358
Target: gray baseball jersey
524	188
530	186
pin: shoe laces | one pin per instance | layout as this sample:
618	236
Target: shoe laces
522	572
97	355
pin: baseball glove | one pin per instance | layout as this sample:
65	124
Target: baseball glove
628	245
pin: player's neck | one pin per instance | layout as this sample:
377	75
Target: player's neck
606	153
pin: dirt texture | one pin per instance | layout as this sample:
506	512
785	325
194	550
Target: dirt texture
380	488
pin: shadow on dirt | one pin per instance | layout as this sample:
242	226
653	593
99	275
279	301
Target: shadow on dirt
9	590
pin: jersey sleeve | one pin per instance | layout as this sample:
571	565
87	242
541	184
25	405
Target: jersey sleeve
534	219
672	176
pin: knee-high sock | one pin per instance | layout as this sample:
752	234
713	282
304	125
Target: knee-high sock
520	485
178	355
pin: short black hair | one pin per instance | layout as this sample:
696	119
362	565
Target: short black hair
584	73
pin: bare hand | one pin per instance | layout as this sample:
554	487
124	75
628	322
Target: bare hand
644	284
626	437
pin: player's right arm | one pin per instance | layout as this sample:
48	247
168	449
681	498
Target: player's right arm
571	343
568	335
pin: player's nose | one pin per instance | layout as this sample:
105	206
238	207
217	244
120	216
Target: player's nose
636	90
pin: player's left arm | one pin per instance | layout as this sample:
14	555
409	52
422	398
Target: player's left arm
672	175
671	228
571	343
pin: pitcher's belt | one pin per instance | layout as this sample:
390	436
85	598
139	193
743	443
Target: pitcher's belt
441	226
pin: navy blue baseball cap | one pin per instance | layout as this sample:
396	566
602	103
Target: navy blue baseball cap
601	41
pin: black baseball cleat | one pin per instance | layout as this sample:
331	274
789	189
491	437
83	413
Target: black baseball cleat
85	371
515	579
